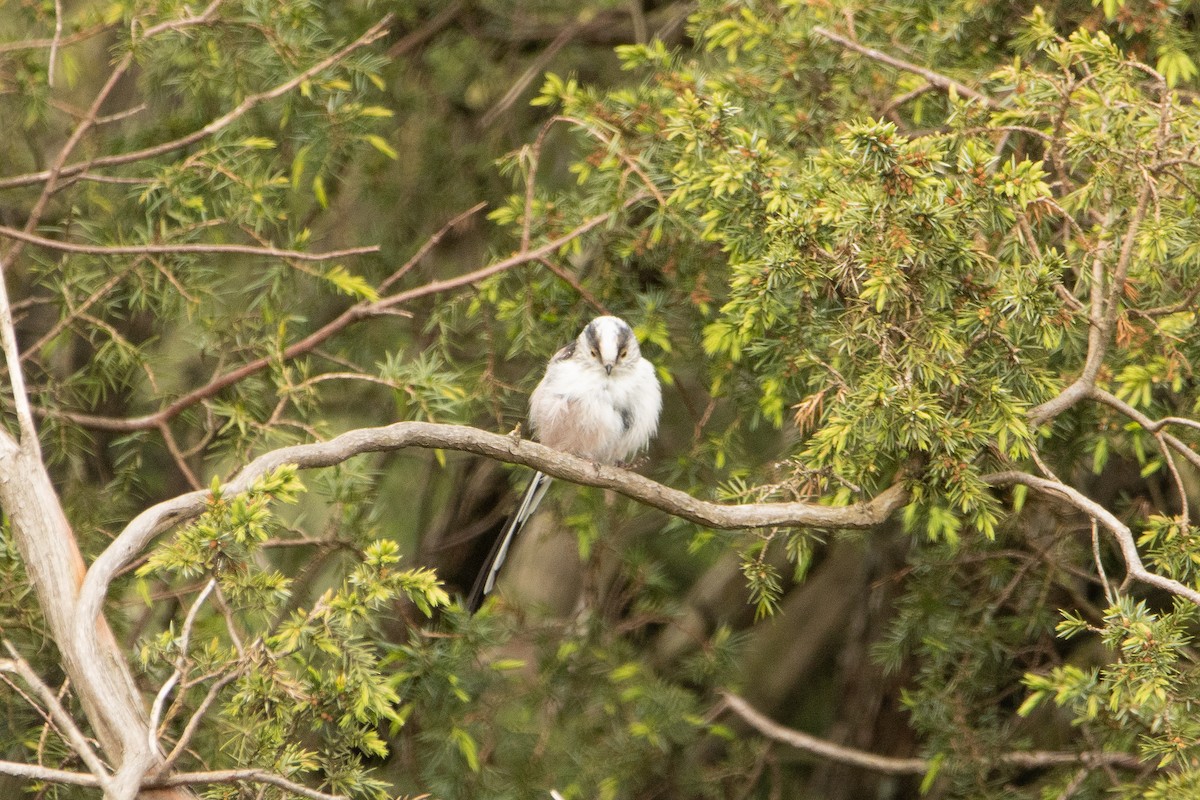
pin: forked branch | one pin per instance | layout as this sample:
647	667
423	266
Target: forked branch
365	309
1134	568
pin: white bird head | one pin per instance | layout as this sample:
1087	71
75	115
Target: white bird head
609	343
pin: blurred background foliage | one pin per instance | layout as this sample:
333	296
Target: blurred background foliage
845	275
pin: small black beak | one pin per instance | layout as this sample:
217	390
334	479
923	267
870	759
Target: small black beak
608	368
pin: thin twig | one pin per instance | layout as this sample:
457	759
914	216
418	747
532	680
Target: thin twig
1111	400
54	44
180	664
629	160
39	44
197	717
429	244
164	430
428	30
936	78
575	284
821	747
905	766
64	721
533	71
59	326
1108	592
901	99
1073	785
181	248
240	776
375	32
1184	512
362	310
203	18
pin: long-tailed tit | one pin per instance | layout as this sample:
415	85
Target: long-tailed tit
599	400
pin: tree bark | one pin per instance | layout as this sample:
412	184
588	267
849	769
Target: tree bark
99	674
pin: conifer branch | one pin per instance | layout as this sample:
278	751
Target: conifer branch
364	309
375	32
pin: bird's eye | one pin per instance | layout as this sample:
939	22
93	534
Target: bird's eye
622	353
595	353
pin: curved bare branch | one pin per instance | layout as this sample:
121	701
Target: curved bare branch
161	517
1134	568
1151	426
907	766
937	79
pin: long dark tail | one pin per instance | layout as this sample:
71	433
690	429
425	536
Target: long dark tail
486	581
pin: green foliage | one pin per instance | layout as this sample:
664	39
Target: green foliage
897	301
222	540
847	275
579	713
308	694
1147	692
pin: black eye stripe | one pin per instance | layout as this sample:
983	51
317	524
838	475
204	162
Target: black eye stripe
593	337
623	337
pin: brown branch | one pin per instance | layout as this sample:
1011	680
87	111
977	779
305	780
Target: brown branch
193	723
36	772
1151	426
8	259
88	302
536	68
936	78
42	44
1134	568
164	430
240	776
821	747
430	243
630	161
907	766
179	23
363	310
901	99
161	517
376	31
182	248
575	284
428	30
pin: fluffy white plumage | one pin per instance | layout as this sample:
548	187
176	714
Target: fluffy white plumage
599	400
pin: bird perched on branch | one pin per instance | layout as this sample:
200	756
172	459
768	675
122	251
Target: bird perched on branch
600	400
